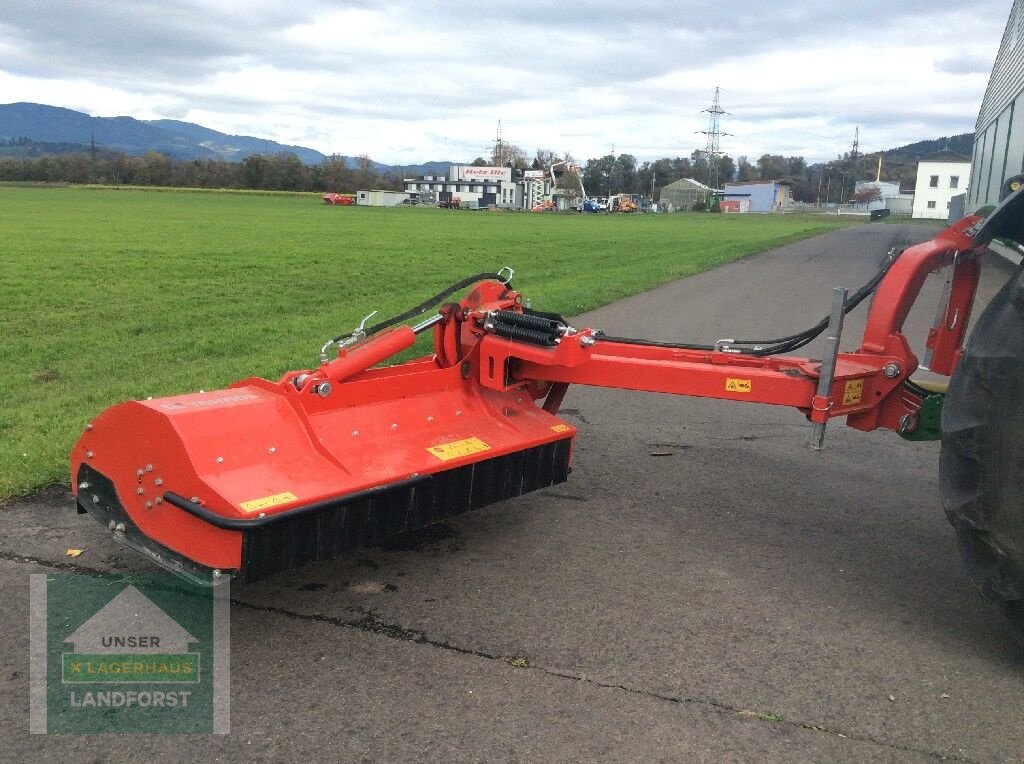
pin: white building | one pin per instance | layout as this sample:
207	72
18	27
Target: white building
999	132
472	186
940	177
380	198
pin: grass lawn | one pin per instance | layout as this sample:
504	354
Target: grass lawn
110	295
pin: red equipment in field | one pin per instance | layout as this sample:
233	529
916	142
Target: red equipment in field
264	476
345	200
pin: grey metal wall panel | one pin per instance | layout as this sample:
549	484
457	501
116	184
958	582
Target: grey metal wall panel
1007	78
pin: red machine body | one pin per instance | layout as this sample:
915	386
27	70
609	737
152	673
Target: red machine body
264	476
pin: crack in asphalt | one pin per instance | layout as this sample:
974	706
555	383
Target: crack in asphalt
370	623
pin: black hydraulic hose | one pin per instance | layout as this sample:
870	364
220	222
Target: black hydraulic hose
427	304
774	346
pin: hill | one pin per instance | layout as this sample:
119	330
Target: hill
56	130
961	144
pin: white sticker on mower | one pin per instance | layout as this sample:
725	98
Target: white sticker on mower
202	403
458	448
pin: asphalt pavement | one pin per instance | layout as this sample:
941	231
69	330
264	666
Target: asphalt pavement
704	587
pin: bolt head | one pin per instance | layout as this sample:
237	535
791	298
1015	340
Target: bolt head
158	481
149	468
159	500
140	490
323	389
891	370
587	341
394	426
89	454
220	460
272	450
83	485
149	505
355	433
139	472
119	527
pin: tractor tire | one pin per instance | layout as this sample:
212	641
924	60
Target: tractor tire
981	467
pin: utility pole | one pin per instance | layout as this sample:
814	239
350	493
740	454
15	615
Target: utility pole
712	149
92	157
499	148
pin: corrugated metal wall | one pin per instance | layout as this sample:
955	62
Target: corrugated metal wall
999	132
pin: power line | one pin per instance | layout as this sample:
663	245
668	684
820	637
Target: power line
712	148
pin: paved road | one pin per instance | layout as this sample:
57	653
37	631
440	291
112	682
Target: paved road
741	597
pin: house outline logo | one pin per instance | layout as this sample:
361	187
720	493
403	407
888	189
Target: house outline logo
130	640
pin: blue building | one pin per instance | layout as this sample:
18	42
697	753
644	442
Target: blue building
763	195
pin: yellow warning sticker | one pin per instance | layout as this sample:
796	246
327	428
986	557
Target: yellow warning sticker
458	448
255	505
853	392
737	385
560	427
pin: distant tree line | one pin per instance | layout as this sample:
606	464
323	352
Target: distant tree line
277	172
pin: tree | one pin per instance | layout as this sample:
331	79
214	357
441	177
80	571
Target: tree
597	174
867	195
569	188
747	171
335	175
623	175
508	155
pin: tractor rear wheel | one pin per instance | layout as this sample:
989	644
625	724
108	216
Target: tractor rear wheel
981	468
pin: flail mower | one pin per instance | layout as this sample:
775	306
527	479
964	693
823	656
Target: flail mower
266	476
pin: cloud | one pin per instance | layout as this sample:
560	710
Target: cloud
407	81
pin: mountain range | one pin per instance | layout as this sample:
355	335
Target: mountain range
52	129
65	130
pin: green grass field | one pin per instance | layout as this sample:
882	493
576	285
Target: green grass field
110	295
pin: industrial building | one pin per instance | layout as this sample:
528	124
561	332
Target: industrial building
473	186
683	194
999	132
763	195
940	177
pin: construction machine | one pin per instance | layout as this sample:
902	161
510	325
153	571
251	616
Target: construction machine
265	476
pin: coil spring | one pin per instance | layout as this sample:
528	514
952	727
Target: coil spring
524	334
538	323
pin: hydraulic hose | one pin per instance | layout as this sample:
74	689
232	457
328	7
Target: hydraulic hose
778	345
429	303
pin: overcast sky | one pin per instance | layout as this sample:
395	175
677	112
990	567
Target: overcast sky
408	81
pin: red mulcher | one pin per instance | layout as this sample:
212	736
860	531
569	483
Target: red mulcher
266	476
